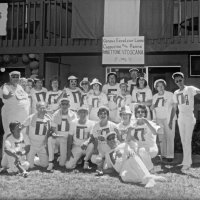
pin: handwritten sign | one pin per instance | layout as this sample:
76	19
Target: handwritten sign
3	18
123	50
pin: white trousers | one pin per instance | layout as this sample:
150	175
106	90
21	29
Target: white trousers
147	154
78	153
41	153
167	138
134	170
61	142
186	126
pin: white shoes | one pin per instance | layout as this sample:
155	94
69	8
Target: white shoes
50	167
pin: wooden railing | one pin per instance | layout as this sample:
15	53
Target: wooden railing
36	25
39	24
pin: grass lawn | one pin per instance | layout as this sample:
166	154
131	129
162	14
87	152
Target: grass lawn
77	184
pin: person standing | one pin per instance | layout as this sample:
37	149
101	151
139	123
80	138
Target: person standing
142	94
96	100
162	107
132	82
111	89
53	95
184	100
38	92
16	103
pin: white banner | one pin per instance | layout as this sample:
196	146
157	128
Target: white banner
3	18
121	17
123	50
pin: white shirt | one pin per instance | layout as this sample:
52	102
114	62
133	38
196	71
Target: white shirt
163	105
185	100
101	132
37	96
141	95
38	129
75	97
80	132
51	99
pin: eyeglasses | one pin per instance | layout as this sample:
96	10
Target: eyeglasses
178	81
111	138
140	112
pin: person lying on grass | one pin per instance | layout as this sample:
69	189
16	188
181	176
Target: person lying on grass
127	163
14	158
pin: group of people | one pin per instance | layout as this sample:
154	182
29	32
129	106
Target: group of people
115	125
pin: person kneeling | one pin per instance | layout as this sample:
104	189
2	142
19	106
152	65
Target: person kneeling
127	163
79	140
14	158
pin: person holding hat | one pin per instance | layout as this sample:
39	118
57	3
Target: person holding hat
184	101
142	94
16	103
14	159
111	89
52	97
99	132
85	85
61	122
162	107
132	83
73	93
79	144
38	92
123	98
96	100
127	163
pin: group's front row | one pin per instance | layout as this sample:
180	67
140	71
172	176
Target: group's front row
127	147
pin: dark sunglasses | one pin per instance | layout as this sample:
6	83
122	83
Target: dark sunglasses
178	81
140	112
111	138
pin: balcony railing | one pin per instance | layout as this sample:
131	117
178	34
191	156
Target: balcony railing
40	24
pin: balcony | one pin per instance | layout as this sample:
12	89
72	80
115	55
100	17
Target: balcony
44	26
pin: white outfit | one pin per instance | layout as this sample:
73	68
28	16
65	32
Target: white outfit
95	102
62	124
142	95
51	100
100	133
38	129
37	96
147	147
16	108
75	98
16	145
111	91
163	106
122	101
80	133
186	120
131	85
130	167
